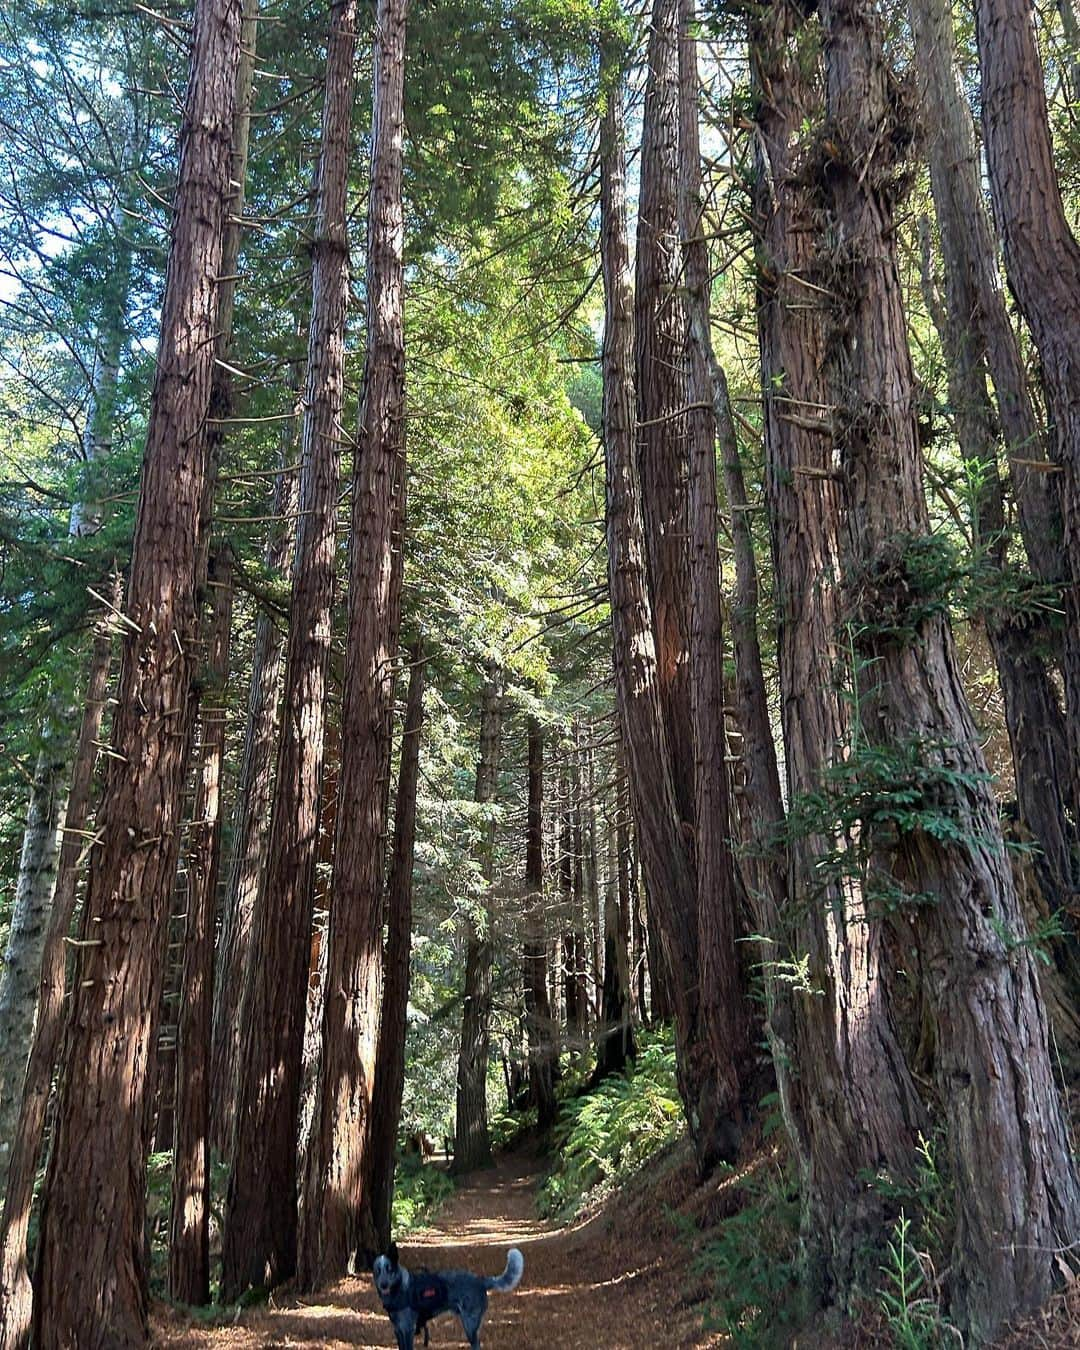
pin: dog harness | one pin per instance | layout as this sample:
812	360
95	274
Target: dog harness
428	1294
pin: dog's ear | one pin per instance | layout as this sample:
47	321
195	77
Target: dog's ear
392	1253
366	1258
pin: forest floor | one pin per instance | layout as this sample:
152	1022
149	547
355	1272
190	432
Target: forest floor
585	1285
624	1278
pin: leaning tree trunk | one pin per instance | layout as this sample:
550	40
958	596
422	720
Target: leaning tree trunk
259	1244
951	897
390	1059
472	1142
1033	714
854	1110
26	1134
1042	260
189	1230
337	1163
664	852
91	1277
539	1028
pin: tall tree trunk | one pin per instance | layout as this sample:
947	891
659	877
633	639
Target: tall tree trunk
854	1111
473	1143
29	924
723	996
51	809
578	1023
254	792
665	860
565	836
189	1232
259	1244
337	1162
953	901
974	324
91	1279
26	1133
390	1060
660	380
543	1061
615	1043
1042	260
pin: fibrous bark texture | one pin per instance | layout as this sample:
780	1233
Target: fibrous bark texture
951	902
853	1110
91	1279
390	1060
259	1245
189	1231
337	1164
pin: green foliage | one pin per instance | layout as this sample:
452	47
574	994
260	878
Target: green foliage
915	1320
750	1260
420	1189
604	1136
875	799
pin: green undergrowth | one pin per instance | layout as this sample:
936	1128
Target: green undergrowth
748	1260
420	1191
604	1135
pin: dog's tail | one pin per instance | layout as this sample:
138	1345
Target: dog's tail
511	1276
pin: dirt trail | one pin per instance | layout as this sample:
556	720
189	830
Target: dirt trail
579	1289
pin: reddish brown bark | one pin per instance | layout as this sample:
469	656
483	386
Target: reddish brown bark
539	1028
254	792
1042	260
472	1147
189	1233
259	1245
390	1059
90	1280
336	1158
853	1110
978	342
15	1290
659	372
1017	1198
665	861
723	997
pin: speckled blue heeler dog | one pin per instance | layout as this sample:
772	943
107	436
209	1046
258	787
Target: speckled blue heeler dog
412	1300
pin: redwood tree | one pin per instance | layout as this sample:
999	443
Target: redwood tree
91	1278
472	1145
948	892
1042	260
390	1060
853	1110
259	1242
664	852
337	1165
